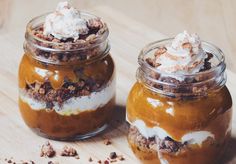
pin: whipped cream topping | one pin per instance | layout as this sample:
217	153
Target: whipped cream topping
184	55
65	22
194	137
75	105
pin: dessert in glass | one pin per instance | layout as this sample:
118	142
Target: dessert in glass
180	110
67	75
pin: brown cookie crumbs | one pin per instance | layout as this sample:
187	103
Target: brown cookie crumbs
95	24
11	161
68	152
71	88
113	160
30	162
90	159
107	141
47	150
41	91
113	155
151	144
160	51
152	62
51	162
99	161
106	162
209	56
120	157
187	46
169	145
91	38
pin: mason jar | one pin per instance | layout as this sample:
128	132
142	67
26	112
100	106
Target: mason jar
179	123
67	89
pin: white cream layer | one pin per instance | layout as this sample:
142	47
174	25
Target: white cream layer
195	137
75	105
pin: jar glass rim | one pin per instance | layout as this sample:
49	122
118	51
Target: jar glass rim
157	44
37	21
182	84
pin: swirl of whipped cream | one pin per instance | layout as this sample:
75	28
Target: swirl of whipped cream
184	55
65	22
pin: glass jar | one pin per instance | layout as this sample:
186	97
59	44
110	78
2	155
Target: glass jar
180	123
66	89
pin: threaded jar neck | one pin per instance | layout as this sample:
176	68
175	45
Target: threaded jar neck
191	85
68	52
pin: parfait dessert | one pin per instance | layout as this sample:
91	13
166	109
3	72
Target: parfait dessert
67	76
180	110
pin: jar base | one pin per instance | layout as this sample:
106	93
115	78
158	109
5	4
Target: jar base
73	138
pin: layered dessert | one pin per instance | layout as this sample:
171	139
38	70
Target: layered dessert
66	76
180	110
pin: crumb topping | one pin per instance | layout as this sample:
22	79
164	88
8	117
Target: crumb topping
184	55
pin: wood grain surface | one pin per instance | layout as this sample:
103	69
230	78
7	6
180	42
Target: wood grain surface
127	37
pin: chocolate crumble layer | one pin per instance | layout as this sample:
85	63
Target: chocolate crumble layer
45	91
151	145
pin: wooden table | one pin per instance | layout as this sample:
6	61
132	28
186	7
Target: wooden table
127	38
